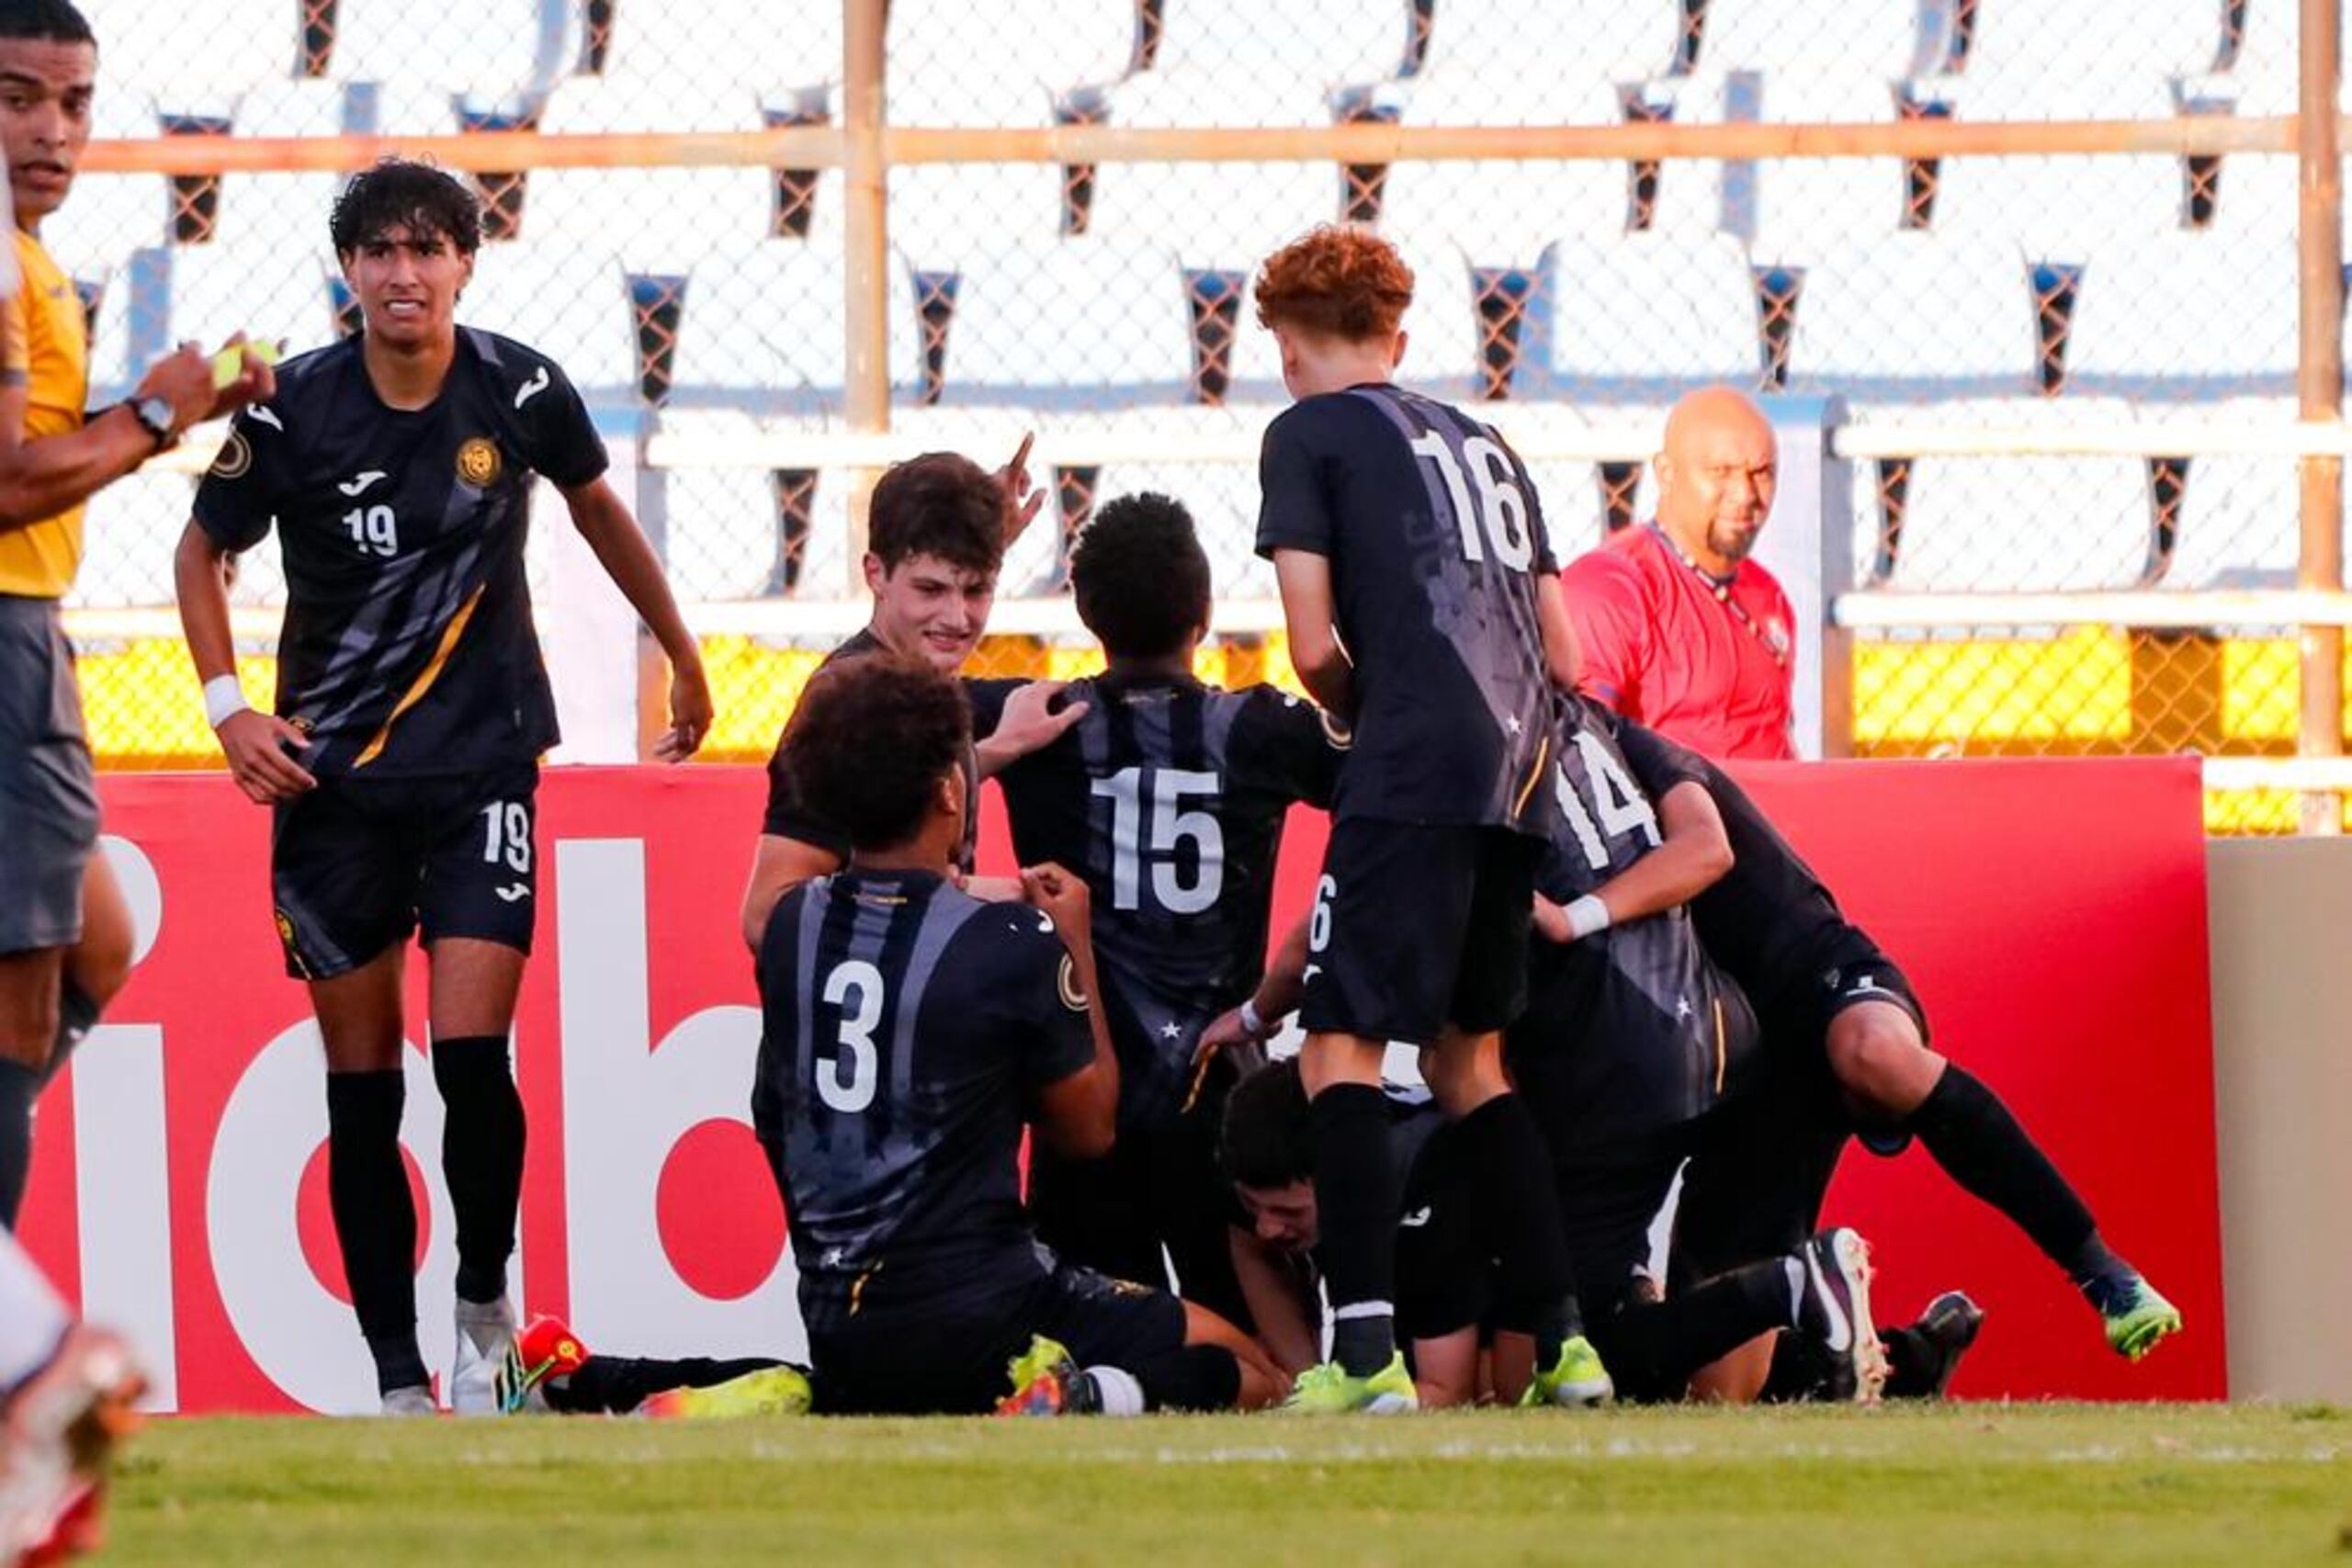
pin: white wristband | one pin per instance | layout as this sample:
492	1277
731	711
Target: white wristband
1250	1021
223	699
1586	916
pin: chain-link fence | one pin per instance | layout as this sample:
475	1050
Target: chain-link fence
2132	303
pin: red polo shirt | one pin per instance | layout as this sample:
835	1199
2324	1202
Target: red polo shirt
1709	664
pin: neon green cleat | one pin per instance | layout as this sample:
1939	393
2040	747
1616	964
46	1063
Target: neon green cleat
771	1391
1047	1380
2137	1317
1326	1389
1576	1379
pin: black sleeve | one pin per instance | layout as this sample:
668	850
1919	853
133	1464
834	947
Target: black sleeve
986	696
242	491
1051	1026
1658	764
565	448
1293	511
788	817
1287	746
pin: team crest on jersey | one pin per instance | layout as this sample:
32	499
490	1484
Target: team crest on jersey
478	463
1776	637
236	456
286	939
1066	982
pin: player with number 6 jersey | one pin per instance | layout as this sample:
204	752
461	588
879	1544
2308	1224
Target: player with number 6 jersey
1423	606
401	763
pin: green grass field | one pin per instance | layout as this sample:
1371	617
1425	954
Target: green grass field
1961	1484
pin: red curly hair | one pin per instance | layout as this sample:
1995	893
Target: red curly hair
1338	281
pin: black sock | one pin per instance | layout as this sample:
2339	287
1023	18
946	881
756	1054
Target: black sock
1980	1144
19	1085
76	1015
1652	1347
1190	1377
481	1158
1356	1201
375	1219
1910	1364
1535	1283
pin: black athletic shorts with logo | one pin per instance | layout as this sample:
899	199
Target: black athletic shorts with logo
358	864
941	1346
1417	927
1756	1181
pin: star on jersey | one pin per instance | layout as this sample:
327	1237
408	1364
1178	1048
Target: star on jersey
1510	723
1171	1031
532	388
1682	1008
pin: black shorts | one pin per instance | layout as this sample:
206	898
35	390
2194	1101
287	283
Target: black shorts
1417	928
358	864
1845	969
1759	1168
48	793
919	1357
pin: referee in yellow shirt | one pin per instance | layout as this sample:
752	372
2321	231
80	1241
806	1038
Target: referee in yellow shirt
64	931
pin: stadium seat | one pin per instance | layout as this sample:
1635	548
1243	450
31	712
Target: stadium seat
289	209
761	332
1524	50
711	57
570	303
1791	39
1076	324
1916	317
2083	59
661	220
1640	318
1792	209
1503	213
1992	523
1224	58
146	53
1221	215
952	217
953	65
2187	316
489	47
2239	517
723	534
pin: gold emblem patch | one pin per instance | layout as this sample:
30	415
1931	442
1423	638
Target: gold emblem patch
293	949
236	456
478	462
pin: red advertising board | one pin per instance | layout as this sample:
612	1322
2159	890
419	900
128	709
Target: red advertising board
2050	914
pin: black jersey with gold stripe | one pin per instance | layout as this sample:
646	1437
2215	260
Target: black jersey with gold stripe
408	646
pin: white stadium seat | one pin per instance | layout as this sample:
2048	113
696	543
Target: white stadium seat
1076	325
2024	524
1641	317
953	64
2191	311
568	303
1916	315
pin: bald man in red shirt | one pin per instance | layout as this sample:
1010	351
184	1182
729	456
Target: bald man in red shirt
1679	630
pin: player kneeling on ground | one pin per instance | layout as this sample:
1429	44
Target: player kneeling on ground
909	1033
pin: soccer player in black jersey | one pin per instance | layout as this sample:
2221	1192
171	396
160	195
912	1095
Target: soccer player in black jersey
1445	1244
1423	604
1168	799
1846	1043
936	536
401	764
909	1032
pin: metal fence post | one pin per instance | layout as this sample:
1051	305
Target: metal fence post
2320	387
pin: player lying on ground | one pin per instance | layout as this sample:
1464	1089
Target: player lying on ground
1422	604
909	1034
548	1369
402	763
1846	1042
1446	1275
937	531
1168	799
66	1391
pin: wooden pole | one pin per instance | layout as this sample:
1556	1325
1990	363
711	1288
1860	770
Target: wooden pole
2319	388
866	242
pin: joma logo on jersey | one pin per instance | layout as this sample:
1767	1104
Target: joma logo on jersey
478	463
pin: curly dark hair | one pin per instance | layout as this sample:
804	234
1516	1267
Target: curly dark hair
399	193
1337	281
869	741
942	504
1266	1140
45	21
1140	576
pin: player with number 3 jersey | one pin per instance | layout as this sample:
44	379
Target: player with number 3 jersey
1423	604
402	761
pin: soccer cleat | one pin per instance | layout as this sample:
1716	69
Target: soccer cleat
771	1391
62	1426
1577	1380
414	1400
547	1349
1047	1381
1947	1328
1326	1389
1834	1309
484	1331
2137	1317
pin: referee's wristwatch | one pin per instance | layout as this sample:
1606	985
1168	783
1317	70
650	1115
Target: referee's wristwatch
156	417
